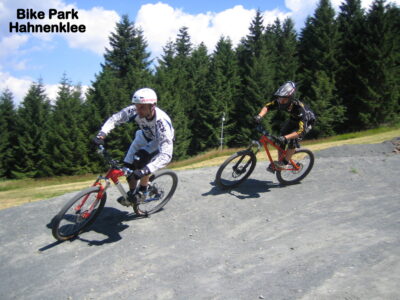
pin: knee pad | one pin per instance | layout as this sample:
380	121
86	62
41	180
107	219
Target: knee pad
141	159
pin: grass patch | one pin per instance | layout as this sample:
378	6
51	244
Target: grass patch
352	135
353	170
15	184
203	157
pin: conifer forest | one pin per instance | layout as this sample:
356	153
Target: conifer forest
346	65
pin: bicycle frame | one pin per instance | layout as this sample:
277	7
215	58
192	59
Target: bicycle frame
265	140
113	173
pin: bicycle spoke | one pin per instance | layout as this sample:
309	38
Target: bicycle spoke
160	190
77	214
300	165
235	169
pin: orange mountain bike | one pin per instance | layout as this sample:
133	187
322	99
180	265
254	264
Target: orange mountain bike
238	167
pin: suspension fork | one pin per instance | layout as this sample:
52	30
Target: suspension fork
99	195
250	149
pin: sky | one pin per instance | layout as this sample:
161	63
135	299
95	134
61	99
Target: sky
30	57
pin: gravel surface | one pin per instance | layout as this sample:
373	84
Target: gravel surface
334	236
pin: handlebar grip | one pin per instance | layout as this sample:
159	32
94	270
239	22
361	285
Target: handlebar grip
261	129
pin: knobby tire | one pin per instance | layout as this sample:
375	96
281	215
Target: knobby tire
162	187
70	230
303	156
238	164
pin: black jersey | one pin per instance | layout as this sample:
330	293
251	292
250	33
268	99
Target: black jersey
299	113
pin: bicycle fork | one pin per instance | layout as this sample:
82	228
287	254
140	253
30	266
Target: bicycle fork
99	195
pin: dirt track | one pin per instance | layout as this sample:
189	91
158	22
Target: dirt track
334	236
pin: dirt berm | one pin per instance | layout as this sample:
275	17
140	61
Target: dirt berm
334	236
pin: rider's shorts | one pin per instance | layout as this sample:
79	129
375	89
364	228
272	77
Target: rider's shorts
291	126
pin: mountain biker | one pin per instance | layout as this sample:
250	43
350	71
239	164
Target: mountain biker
299	124
152	146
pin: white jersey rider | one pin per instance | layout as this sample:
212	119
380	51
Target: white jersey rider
153	144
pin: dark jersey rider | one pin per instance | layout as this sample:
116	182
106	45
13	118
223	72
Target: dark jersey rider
298	125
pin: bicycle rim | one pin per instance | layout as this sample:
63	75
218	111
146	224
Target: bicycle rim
161	188
80	212
235	169
304	159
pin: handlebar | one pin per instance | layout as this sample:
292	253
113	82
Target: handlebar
101	150
112	162
262	130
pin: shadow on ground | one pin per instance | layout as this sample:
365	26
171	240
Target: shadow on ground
108	224
251	188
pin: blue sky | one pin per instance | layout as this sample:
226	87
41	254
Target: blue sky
27	57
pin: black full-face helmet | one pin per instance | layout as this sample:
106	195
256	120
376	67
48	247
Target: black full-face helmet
285	94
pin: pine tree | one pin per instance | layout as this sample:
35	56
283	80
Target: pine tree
318	48
224	82
380	73
351	22
183	50
170	100
282	40
31	155
68	139
198	68
8	134
393	14
128	56
323	97
257	79
318	53
176	88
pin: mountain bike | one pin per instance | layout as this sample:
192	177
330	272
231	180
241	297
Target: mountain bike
238	167
83	209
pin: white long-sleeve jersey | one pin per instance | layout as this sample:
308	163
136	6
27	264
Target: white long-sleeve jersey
158	133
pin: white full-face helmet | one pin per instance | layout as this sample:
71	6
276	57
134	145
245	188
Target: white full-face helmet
144	96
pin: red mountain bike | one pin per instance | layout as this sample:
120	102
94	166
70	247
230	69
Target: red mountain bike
238	167
83	209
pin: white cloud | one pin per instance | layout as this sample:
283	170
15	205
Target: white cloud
11	44
99	25
19	87
300	9
161	23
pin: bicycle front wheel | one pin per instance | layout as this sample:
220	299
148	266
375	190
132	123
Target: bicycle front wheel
79	213
161	188
301	164
236	169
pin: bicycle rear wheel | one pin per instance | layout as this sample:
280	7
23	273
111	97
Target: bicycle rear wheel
236	169
79	213
304	160
161	188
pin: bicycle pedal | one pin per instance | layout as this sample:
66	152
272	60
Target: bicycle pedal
121	200
270	169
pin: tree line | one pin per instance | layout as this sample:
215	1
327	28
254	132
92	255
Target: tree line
346	66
